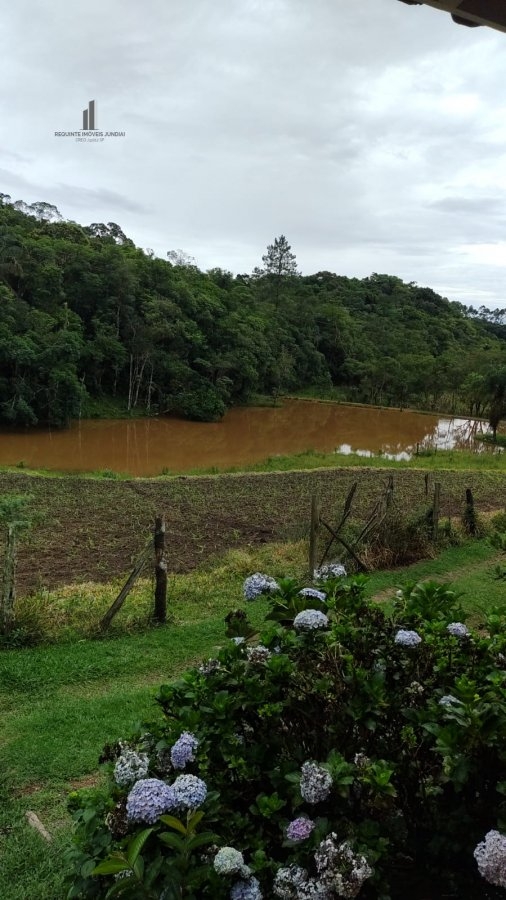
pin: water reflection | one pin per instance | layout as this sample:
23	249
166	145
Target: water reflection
149	446
446	434
346	449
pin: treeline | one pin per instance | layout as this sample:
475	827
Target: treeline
84	313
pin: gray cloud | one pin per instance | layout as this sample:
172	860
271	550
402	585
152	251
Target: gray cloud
370	133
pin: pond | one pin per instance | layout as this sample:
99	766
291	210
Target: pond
149	446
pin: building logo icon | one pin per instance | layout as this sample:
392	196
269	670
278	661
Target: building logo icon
89	117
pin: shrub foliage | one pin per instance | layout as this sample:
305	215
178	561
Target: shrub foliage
358	749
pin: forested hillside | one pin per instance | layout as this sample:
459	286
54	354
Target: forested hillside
84	313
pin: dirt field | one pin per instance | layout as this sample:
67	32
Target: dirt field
92	529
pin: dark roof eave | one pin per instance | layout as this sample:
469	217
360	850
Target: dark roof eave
471	13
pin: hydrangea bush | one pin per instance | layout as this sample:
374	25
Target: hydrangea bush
363	756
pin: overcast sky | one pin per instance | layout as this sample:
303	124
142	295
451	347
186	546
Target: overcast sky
372	134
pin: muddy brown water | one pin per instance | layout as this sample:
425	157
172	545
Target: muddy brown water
245	435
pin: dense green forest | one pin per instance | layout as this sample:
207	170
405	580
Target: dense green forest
84	313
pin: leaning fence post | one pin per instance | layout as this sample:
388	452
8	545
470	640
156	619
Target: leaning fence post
160	611
435	510
313	535
127	587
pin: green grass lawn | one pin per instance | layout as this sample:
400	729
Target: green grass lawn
60	704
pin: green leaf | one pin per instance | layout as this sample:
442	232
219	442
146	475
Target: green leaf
111	867
136	845
207	837
123	886
172	822
87	868
172	891
195	820
172	840
139	867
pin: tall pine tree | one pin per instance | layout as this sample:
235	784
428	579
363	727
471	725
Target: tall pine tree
279	263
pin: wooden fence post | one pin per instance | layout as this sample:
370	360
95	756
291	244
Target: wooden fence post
435	510
160	611
470	522
313	535
9	583
426	477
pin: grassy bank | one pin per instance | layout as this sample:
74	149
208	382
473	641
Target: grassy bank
500	440
492	459
61	704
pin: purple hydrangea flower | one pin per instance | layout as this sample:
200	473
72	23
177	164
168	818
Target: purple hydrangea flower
314	594
310	620
183	750
315	783
247	889
149	799
490	854
189	791
300	829
258	584
407	638
458	629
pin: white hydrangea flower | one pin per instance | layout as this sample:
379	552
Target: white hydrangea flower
361	760
288	881
315	783
331	570
210	667
448	700
458	629
310	620
228	861
258	654
340	869
490	855
130	766
407	638
314	594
